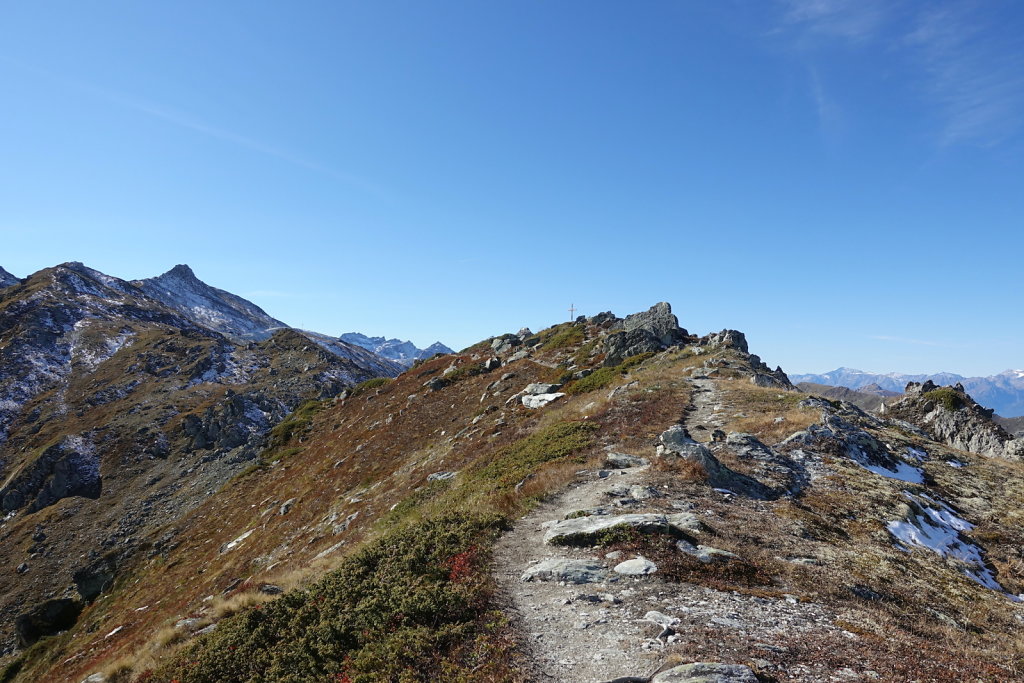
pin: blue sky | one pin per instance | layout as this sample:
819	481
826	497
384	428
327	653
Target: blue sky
843	180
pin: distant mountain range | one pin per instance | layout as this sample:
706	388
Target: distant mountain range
1004	392
404	352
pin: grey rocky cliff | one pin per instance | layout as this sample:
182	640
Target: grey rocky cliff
950	415
649	331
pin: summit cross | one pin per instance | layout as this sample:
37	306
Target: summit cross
572	310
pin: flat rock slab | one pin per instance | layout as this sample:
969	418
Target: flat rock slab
639	566
540	400
588	530
569	571
621	461
707	672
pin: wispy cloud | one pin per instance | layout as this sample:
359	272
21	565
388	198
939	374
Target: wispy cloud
187	121
855	20
977	83
968	73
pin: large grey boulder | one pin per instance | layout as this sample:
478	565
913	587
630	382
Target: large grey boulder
676	441
569	571
651	330
707	672
590	529
728	339
659	321
638	566
540	400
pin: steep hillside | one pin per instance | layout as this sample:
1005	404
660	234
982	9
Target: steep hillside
213	308
6	279
607	498
404	352
117	416
1003	393
240	320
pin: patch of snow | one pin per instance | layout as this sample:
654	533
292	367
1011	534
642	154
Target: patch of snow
937	528
955	463
903	471
916	453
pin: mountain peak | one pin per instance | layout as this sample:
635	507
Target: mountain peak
182	270
227	313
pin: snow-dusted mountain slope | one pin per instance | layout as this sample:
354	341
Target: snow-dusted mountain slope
213	308
6	279
404	352
1004	392
362	356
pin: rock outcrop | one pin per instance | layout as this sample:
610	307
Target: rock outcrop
950	415
652	330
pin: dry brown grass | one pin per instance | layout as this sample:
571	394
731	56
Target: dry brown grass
761	409
681	469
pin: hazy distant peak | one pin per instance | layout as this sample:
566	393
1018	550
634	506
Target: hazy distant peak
404	352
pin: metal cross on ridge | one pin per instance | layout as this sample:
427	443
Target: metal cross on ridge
572	310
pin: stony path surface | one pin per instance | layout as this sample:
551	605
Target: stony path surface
598	631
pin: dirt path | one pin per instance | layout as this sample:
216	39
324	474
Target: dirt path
598	631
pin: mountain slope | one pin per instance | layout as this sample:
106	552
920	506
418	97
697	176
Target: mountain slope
6	279
770	532
242	320
213	308
1004	392
117	416
404	352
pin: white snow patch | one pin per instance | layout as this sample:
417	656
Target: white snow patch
955	463
938	529
903	471
916	453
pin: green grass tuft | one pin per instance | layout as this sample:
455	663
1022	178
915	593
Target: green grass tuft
947	397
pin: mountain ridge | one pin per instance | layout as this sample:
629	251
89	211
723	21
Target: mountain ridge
404	352
1003	392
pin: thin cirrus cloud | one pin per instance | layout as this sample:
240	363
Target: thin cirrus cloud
968	73
182	120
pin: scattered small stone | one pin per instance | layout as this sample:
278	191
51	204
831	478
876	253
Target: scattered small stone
286	506
441	476
22	568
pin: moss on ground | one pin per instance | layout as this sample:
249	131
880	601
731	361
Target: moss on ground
602	377
947	397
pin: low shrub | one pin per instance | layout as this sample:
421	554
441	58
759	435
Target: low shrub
390	612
